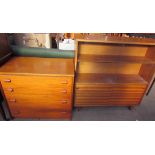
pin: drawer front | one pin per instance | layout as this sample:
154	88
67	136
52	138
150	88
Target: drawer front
27	113
38	102
119	94
38	96
61	93
37	85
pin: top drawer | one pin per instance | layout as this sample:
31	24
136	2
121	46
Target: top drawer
36	84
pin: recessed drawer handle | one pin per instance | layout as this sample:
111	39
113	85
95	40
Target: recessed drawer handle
7	80
64	91
10	89
64	112
64	82
65	101
16	112
12	100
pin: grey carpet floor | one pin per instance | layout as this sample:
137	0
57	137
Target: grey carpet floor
144	112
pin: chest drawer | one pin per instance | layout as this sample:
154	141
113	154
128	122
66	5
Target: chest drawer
36	102
37	85
40	114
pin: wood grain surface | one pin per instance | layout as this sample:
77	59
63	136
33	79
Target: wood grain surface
113	71
38	88
38	66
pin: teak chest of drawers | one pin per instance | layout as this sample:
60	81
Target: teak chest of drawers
38	87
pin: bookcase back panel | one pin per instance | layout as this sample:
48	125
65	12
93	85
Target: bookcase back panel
111	49
109	68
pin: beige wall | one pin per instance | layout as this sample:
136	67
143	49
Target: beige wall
32	39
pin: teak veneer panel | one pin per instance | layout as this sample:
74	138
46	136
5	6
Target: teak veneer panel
104	102
147	71
41	102
38	66
109	79
109	89
37	84
106	49
119	40
109	68
115	58
110	94
150	53
38	87
113	71
42	114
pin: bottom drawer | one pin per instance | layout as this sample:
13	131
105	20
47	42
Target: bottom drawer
41	114
80	102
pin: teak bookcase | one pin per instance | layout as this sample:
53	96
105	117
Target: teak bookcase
113	71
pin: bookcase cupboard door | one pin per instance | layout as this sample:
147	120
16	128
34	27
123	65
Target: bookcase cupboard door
117	94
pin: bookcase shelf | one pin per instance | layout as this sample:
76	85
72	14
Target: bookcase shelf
115	58
87	78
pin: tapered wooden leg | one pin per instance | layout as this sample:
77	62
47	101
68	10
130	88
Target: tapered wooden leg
131	107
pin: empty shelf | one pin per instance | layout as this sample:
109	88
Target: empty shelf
115	58
85	78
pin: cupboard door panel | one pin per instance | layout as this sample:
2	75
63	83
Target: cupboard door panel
118	94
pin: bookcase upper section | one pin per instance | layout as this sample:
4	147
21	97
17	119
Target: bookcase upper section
116	49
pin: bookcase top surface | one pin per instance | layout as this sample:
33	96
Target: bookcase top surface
119	40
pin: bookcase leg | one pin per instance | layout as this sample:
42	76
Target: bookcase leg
131	107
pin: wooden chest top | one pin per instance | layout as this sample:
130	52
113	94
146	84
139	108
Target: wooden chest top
38	66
